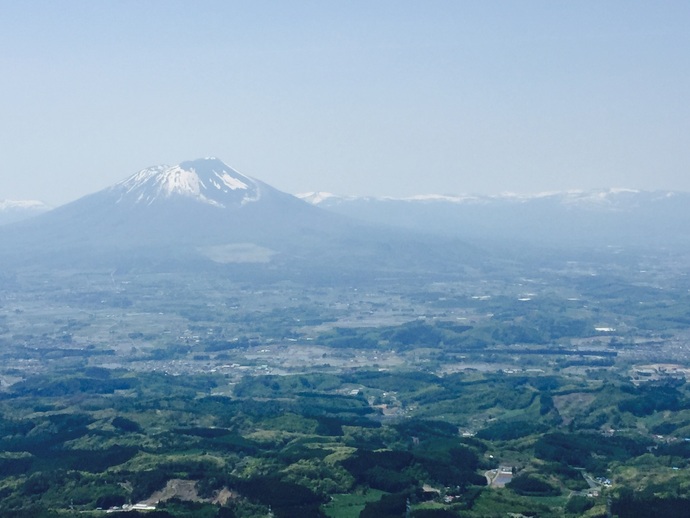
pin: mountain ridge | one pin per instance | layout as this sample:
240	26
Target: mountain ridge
614	216
571	196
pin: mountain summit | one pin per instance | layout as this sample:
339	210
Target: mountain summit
206	180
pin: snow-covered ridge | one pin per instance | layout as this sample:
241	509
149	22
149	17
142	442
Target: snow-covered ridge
12	211
437	197
206	180
593	198
23	205
317	197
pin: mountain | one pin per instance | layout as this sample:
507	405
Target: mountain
14	210
622	217
169	211
203	212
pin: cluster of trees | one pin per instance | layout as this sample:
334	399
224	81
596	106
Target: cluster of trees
654	397
645	505
591	451
532	485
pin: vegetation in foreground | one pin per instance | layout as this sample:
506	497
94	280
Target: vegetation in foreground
83	441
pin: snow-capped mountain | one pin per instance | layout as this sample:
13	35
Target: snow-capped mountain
17	210
604	216
208	181
205	213
197	203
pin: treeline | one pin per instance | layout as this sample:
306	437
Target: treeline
450	336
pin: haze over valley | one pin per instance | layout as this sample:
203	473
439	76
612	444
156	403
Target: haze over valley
344	259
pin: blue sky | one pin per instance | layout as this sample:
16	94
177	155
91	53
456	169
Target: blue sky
353	97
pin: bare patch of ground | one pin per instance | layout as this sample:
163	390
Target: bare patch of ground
223	496
186	490
175	488
568	404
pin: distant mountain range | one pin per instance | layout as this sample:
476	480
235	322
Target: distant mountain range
622	217
205	213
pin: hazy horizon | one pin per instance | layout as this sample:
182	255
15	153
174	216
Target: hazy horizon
378	99
30	202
